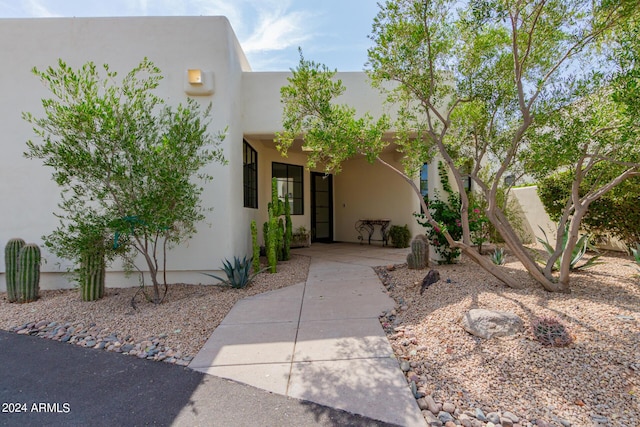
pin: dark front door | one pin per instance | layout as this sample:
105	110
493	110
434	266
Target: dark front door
321	207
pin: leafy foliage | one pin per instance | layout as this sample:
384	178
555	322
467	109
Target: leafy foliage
472	81
126	163
579	250
400	236
616	213
498	257
238	274
448	216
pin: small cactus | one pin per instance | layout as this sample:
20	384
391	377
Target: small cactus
11	253
92	275
550	331
418	259
28	273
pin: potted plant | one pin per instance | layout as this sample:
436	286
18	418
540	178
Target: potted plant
301	238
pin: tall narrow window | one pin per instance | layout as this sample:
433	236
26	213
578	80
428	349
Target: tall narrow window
424	180
289	179
250	175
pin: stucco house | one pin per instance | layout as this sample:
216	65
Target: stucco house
247	103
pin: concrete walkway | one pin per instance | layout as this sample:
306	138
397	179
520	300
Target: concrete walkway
321	340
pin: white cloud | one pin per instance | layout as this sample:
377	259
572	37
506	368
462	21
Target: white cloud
37	9
277	31
261	25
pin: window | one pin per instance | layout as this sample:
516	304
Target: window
424	180
289	179
250	175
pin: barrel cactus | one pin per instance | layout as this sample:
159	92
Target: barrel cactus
92	275
11	254
28	273
419	256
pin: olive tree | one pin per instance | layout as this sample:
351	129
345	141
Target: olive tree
129	166
468	81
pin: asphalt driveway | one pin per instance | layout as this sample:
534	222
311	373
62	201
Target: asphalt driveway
44	382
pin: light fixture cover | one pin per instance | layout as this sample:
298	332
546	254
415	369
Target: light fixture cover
198	82
195	76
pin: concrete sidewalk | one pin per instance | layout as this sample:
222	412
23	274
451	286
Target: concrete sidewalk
321	340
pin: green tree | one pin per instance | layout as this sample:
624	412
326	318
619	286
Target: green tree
126	163
595	139
468	81
616	213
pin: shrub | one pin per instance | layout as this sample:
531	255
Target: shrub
616	213
447	214
238	273
400	236
578	251
550	331
498	257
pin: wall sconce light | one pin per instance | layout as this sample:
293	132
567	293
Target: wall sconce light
198	82
194	76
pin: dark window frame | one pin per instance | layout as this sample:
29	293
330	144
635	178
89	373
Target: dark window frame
249	175
297	201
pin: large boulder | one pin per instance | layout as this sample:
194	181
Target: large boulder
486	323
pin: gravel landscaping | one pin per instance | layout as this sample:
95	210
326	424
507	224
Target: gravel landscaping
458	379
516	380
173	331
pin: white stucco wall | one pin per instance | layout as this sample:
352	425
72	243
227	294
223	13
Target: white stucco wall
174	44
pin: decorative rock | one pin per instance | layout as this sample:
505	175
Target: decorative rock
487	324
513	417
431	419
465	420
565	423
493	417
422	404
477	423
506	422
542	423
599	419
90	343
480	415
448	407
434	407
449	424
444	416
127	347
405	366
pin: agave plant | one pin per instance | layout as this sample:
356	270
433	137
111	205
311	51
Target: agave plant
498	257
582	245
238	273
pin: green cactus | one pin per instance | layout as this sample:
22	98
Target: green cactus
288	231
419	256
256	248
11	253
272	241
92	276
28	273
280	244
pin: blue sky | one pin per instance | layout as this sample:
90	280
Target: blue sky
333	32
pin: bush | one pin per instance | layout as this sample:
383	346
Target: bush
400	236
238	273
616	213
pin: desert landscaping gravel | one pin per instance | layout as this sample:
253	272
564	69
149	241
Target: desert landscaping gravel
458	379
173	331
594	381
